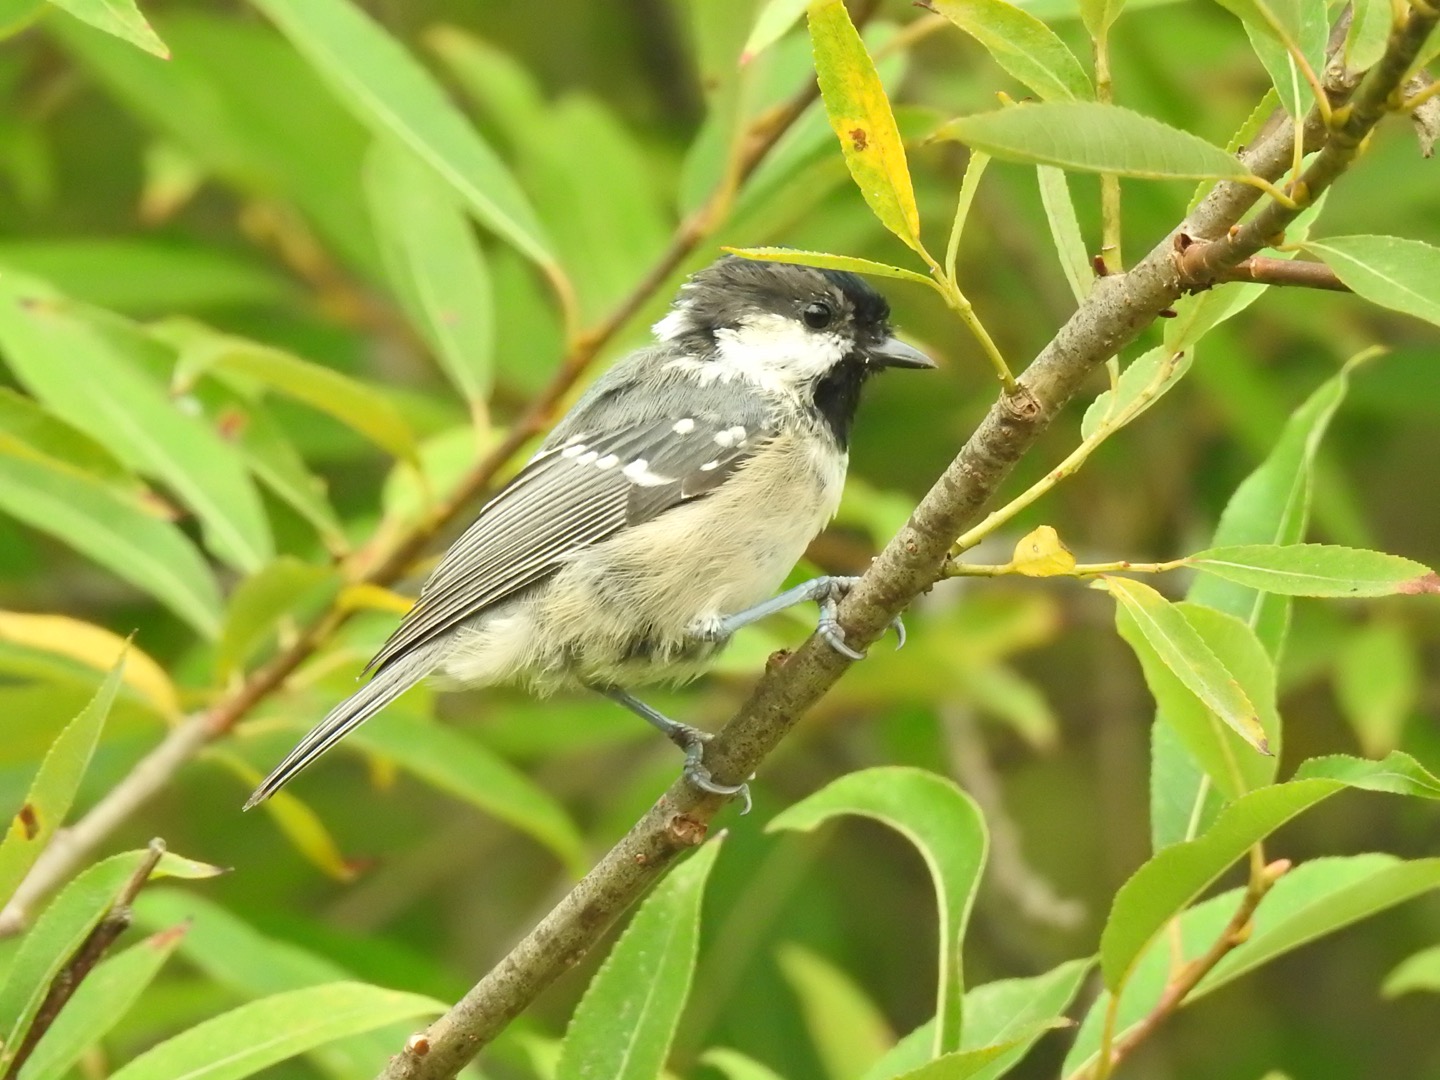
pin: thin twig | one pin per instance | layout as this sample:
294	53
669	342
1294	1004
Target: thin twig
1292	272
69	847
1118	309
83	960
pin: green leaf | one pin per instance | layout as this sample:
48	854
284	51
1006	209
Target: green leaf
1022	45
1418	972
972	1064
296	821
846	1029
1180	648
1171	880
389	92
1013	1011
774	21
1316	898
236	956
1275	28
113	531
1091	137
96	380
947	828
1369	30
860	115
259	1034
735	1065
1316	570
61	929
277	464
52	792
435	265
47	434
1225	757
826	261
260	605
1400	274
1065	230
623	1026
1378	682
362	408
1145	380
1098	15
119	17
448	760
100	1003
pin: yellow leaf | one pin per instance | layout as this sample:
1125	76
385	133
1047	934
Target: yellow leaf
860	113
1041	554
367	597
95	647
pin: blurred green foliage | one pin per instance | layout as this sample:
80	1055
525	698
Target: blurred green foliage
236	304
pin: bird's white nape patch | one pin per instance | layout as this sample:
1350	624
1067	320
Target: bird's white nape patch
777	353
675	324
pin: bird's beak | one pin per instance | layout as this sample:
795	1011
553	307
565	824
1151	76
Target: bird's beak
892	352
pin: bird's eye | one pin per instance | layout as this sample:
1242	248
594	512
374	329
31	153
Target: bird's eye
817	316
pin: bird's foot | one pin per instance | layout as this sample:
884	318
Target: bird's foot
830	591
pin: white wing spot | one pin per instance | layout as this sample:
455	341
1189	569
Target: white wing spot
607	462
587	458
683	427
638	472
725	438
709	465
737	433
574	450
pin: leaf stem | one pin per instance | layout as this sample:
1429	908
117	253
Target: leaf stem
1110	216
954	569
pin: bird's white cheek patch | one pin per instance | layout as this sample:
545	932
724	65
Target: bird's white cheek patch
777	353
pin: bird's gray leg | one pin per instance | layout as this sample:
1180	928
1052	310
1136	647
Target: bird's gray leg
827	592
690	739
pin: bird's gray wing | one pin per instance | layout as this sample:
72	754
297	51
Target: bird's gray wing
570	496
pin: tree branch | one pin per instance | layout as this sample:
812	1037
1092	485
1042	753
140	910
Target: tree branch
1268	271
1118	309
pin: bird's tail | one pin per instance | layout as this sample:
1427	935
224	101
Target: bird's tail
384	687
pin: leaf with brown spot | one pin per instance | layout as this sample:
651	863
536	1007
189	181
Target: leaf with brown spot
53	790
1427	583
860	113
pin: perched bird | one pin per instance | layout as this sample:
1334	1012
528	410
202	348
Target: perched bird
661	512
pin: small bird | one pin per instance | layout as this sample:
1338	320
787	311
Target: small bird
660	514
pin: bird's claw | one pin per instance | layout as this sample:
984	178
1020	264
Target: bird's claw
829	626
696	772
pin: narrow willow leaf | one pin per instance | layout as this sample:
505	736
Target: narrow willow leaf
97	381
362	408
259	1034
847	1030
1171	880
826	261
1145	380
1378	683
61	928
260	605
1097	15
774	21
1316	570
119	17
1316	898
1275	28
1065	230
1418	972
980	1062
301	826
435	264
389	92
96	648
1181	649
623	1026
276	463
1022	45
54	437
1369	30
100	1003
236	956
1013	1011
1224	755
1400	274
945	824
115	532
735	1065
52	792
860	114
448	760
1091	137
